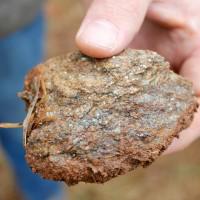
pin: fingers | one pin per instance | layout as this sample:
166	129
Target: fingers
110	25
191	70
167	14
187	136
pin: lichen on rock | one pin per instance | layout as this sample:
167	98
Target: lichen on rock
95	119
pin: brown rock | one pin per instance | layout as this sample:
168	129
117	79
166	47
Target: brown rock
93	119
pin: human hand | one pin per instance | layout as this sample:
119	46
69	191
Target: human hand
170	27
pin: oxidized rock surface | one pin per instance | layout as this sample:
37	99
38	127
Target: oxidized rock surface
93	119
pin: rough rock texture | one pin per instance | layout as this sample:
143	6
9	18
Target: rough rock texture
93	119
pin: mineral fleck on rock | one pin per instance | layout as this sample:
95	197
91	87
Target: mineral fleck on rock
93	119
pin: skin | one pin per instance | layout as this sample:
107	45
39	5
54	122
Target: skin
170	27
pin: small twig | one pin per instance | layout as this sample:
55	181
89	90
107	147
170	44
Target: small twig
11	125
43	86
27	121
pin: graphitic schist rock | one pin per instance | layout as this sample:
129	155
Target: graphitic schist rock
93	119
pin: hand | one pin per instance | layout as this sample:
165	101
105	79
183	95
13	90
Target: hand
170	27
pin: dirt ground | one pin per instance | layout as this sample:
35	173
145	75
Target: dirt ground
173	177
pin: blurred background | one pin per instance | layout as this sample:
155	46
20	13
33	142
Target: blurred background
173	177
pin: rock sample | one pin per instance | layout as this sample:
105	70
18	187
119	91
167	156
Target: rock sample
90	120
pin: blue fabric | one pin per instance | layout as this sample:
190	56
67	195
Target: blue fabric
18	53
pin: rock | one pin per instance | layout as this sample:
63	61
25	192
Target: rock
93	119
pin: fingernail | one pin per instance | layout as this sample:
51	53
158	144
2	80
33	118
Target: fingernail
99	33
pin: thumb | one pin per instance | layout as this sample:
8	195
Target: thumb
110	25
